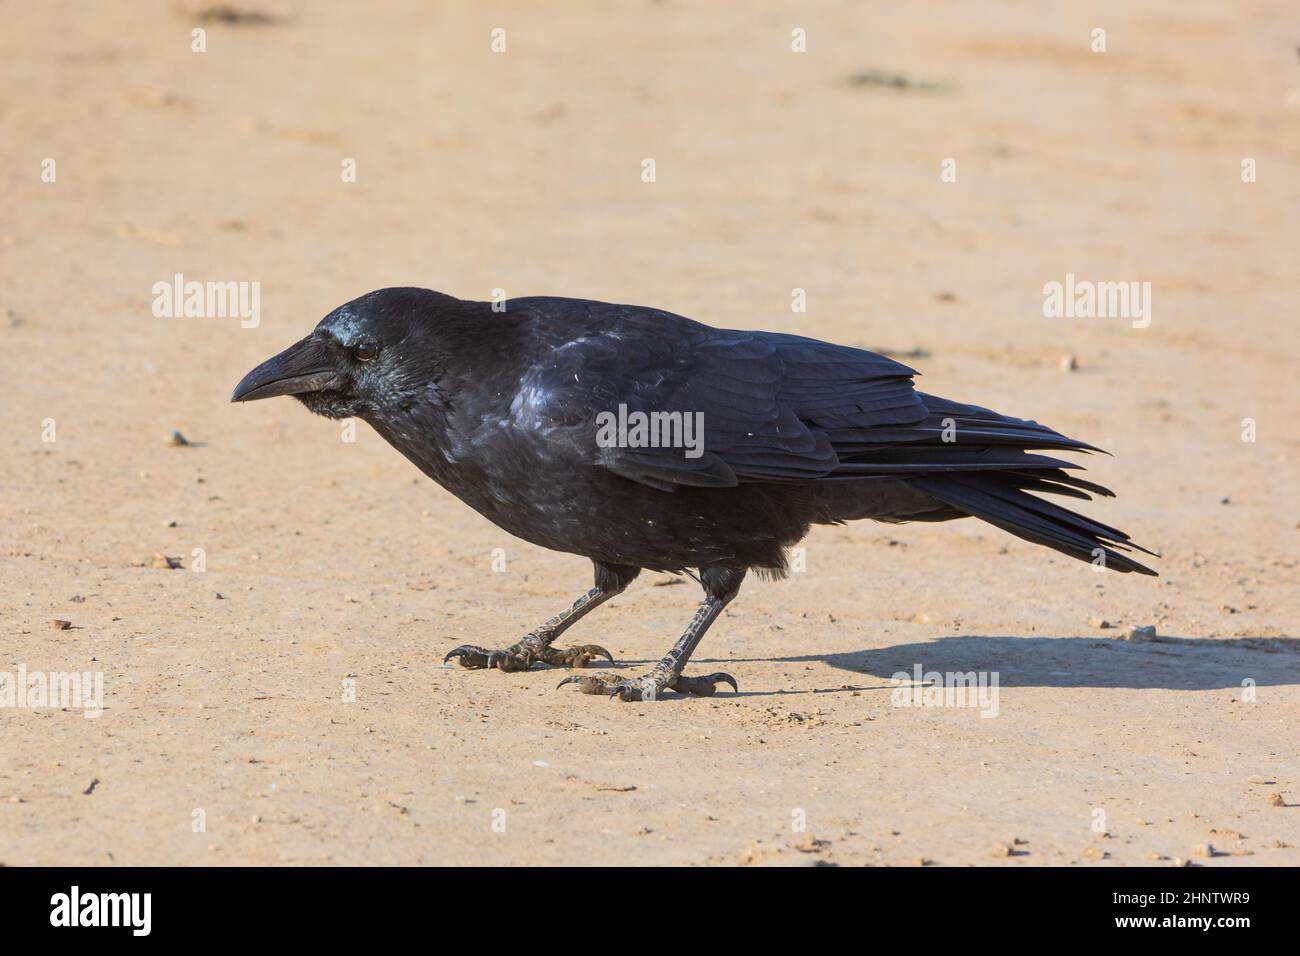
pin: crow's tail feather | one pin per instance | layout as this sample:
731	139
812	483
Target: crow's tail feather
1001	499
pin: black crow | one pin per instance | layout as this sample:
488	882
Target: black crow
642	439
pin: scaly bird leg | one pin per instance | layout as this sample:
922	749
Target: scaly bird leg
720	586
536	646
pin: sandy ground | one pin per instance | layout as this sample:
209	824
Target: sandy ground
227	734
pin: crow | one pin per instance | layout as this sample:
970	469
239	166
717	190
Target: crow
645	440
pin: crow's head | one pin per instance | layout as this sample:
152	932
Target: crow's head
369	358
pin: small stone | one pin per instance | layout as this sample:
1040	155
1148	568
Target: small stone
1147	633
177	439
1277	800
60	625
809	844
1069	362
1228	834
1205	850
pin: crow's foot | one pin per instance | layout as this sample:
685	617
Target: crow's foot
529	650
650	686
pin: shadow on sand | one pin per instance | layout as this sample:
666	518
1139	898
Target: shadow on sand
1169	663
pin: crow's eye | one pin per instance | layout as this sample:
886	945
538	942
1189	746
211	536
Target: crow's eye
365	351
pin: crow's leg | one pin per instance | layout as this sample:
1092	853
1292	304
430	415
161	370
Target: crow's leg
611	579
721	584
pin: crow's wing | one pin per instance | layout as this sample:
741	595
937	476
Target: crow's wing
773	407
769	404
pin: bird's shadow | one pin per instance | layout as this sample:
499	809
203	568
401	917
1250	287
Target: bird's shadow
1169	663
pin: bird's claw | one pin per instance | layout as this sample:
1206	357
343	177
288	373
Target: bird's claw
588	685
705	686
469	655
648	687
522	656
610	684
574	656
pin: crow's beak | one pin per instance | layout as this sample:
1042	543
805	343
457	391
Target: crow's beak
302	367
